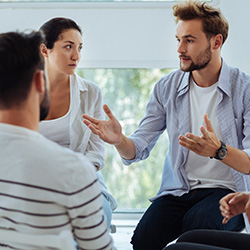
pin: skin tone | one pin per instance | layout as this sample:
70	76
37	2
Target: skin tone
61	62
197	54
201	56
234	204
27	114
190	39
111	132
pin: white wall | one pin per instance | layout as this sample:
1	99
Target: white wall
236	50
130	34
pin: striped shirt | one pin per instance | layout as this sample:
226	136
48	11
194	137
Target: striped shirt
45	189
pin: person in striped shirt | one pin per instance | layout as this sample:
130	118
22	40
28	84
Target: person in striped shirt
45	188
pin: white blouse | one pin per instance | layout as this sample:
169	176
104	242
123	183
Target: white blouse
85	98
57	130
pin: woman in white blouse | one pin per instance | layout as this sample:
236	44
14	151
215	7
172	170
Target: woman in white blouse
71	96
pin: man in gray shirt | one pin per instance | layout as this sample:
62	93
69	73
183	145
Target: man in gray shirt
205	108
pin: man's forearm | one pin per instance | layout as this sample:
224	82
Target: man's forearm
126	148
237	159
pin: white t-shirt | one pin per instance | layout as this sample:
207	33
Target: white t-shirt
46	188
57	130
203	172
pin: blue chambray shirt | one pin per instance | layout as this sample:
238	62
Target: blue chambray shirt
168	108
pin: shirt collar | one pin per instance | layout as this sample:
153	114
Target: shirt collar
184	82
79	84
224	79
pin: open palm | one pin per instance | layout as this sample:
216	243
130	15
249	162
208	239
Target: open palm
109	131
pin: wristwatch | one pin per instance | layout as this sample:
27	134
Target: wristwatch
221	152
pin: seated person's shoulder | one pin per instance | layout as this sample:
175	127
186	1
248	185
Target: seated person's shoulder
60	159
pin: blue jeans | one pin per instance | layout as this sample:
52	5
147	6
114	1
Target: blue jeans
107	210
169	216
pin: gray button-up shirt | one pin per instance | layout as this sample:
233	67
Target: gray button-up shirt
168	108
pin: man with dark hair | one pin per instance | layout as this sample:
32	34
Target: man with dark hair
205	108
44	188
18	70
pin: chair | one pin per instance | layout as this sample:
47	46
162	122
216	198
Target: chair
62	241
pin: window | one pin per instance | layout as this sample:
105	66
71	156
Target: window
127	92
114	37
54	1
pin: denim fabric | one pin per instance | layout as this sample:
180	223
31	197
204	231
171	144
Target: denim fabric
107	210
170	216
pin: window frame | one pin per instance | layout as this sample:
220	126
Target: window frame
92	4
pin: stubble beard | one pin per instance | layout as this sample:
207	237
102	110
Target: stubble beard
44	106
202	61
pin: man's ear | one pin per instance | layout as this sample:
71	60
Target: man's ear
44	50
39	81
218	40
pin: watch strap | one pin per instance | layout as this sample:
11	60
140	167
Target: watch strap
221	152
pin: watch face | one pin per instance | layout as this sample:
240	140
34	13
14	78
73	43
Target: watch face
222	153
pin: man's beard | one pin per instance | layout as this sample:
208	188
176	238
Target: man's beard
202	60
44	106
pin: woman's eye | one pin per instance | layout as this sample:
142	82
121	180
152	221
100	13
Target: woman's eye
68	47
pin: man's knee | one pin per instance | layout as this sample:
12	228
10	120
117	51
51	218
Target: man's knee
202	219
212	219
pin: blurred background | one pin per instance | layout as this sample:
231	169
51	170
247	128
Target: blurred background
127	47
